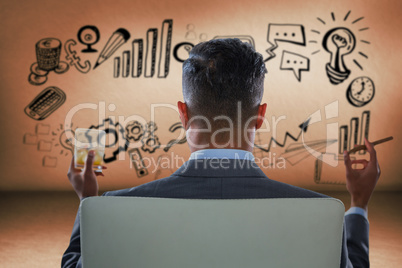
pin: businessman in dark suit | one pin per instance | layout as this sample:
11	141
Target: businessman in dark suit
222	88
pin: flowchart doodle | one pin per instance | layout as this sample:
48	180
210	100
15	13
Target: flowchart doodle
295	62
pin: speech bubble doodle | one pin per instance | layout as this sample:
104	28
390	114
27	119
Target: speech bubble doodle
290	33
295	62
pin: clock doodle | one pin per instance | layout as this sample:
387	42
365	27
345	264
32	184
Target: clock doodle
360	91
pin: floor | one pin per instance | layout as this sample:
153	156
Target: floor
35	227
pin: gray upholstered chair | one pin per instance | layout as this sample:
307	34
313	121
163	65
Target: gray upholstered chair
162	232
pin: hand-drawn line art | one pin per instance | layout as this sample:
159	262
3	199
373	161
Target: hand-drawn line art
115	139
45	103
360	91
65	140
45	146
182	51
134	131
172	129
150	142
48	59
190	34
166	44
118	38
150	54
290	33
318	176
116	67
303	128
244	38
75	60
138	162
49	161
122	63
137	49
348	138
30	139
203	37
139	62
340	41
42	129
88	35
296	152
295	62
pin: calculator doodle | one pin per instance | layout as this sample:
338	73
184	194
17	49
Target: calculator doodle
45	103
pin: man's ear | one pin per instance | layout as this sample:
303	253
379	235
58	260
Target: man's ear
261	115
183	112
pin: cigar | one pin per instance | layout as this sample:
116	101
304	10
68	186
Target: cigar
363	147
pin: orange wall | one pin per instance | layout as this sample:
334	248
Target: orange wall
32	157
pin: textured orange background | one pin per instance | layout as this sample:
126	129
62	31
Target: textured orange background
26	22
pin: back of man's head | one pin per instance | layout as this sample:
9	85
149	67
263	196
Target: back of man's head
221	74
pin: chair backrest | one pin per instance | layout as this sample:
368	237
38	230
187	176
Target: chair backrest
191	233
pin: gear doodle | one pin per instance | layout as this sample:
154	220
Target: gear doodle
151	127
118	140
150	143
134	131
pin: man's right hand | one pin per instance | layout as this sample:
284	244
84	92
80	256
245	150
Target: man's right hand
84	181
361	182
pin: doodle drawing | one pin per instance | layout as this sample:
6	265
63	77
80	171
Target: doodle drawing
138	162
295	62
75	61
118	38
45	103
88	35
48	59
360	91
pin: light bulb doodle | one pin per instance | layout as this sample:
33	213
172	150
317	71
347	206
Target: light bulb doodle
339	42
66	140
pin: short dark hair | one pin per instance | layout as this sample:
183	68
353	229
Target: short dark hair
220	73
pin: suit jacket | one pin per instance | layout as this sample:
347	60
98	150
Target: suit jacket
231	179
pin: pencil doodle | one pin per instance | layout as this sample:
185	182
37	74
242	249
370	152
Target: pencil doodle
88	35
116	40
48	59
45	103
75	61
